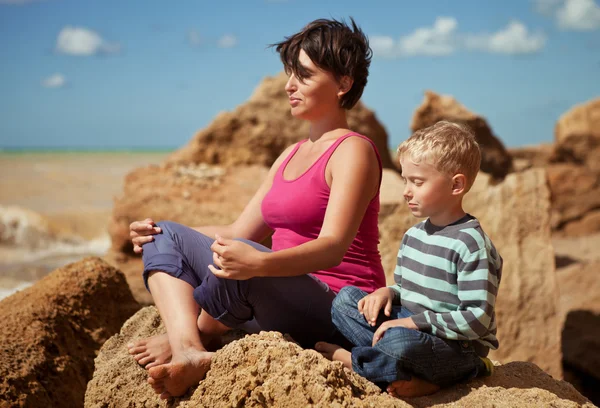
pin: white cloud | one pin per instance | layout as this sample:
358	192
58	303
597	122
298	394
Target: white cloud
54	81
194	38
580	15
577	15
83	42
227	41
433	41
513	39
444	39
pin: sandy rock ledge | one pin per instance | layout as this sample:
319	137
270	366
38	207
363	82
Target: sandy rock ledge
266	370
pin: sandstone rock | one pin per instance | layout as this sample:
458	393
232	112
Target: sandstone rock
577	135
580	311
531	156
515	214
192	195
575	192
265	370
50	333
588	224
182	194
260	129
495	159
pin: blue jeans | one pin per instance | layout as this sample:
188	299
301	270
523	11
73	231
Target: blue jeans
298	305
402	352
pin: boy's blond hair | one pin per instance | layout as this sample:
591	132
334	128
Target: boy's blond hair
450	147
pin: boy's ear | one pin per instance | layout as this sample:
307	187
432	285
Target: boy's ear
346	83
459	184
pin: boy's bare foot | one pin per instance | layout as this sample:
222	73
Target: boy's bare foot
413	388
185	370
152	351
334	352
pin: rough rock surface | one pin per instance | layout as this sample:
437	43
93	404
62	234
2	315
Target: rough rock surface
575	178
577	135
192	195
189	194
515	214
260	129
580	310
575	194
265	370
51	331
495	160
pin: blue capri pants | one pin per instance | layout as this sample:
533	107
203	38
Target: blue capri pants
299	305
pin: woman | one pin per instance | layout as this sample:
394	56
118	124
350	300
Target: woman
321	202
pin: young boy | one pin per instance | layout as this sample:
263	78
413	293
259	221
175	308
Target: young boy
438	322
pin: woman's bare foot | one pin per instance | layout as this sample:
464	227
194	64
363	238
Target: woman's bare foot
334	352
184	371
413	388
152	351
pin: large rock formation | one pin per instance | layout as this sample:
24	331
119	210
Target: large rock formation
190	194
577	135
575	181
260	129
575	198
495	159
265	370
515	214
573	164
50	333
580	310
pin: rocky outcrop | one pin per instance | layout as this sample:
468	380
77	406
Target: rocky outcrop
260	129
495	160
580	311
266	370
575	195
573	165
51	331
190	194
515	214
577	135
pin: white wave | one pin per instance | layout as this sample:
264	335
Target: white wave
97	246
25	228
6	292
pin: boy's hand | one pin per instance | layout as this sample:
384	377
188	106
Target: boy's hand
370	305
405	322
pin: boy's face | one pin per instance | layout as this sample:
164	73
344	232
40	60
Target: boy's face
427	191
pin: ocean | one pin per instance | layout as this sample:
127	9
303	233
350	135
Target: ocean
55	207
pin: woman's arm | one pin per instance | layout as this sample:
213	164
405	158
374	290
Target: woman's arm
355	178
249	224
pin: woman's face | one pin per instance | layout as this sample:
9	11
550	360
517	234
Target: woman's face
316	96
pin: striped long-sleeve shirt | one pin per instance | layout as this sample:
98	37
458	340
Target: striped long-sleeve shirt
449	277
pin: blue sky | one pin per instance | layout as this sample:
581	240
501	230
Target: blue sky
148	74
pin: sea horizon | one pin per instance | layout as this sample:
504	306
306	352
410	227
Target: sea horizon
82	149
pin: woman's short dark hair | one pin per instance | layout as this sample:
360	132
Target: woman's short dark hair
334	47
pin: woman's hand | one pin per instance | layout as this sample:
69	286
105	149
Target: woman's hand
235	259
370	305
141	232
405	322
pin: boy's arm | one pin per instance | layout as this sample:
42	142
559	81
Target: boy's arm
478	280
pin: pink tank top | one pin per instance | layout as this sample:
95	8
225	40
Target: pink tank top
295	210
